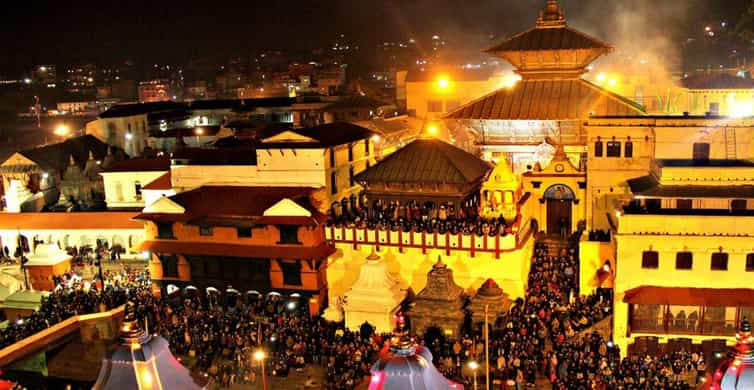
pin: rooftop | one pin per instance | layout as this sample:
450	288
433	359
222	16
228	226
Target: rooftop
322	136
427	161
717	81
141	164
557	99
125	110
650	187
161	183
57	156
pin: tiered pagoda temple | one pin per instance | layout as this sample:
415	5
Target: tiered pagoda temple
550	102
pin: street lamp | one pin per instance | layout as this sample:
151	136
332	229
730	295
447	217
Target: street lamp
473	365
62	130
260	355
197	132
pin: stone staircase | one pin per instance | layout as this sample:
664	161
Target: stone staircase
554	245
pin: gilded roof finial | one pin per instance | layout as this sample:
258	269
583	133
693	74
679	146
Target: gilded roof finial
552	16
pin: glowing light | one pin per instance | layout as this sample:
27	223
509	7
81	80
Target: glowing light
601	77
473	365
259	355
45	175
146	378
375	138
432	129
610	344
43	68
443	82
291	305
20	321
27	81
742	109
61	130
510	81
708	29
612	82
129	136
199	131
606	267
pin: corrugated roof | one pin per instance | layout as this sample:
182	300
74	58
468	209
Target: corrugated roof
427	161
559	38
556	99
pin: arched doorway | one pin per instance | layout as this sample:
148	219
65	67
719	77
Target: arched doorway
559	198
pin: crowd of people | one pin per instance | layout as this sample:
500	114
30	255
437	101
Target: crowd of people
419	217
544	336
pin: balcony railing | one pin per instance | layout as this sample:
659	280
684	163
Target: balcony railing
401	239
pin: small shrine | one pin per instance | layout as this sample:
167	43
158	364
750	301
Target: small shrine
405	365
737	373
142	362
374	297
501	193
47	261
491	296
440	303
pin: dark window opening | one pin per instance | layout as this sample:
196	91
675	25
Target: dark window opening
684	260
291	273
650	259
288	234
351	176
137	189
701	152
243	232
738	204
165	230
169	266
683	204
332	157
628	150
598	149
719	262
350	152
613	149
205	230
333	183
750	262
366	147
653	204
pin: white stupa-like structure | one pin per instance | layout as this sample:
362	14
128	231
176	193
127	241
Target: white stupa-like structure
374	297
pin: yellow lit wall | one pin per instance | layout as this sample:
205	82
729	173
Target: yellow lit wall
411	267
450	96
701	235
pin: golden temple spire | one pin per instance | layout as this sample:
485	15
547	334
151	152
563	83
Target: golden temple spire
552	16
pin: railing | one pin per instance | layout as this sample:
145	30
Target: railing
447	241
40	340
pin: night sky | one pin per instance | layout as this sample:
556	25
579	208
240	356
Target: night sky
157	31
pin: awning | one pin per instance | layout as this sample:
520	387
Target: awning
690	296
236	250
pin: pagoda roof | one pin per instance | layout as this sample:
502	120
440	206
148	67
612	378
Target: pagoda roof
427	161
542	99
549	38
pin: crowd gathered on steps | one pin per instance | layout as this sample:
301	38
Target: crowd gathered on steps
424	217
542	337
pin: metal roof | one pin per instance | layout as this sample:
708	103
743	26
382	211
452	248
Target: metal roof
554	99
427	161
536	39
